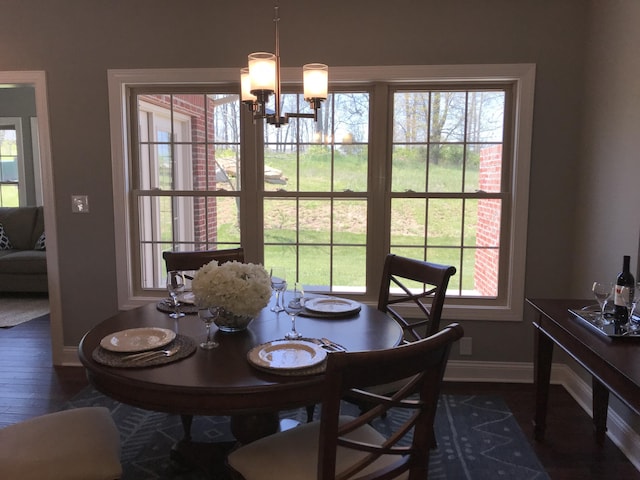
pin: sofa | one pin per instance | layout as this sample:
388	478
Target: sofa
23	258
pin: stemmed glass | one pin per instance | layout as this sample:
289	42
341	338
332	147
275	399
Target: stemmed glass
602	291
279	285
293	308
208	316
175	286
631	299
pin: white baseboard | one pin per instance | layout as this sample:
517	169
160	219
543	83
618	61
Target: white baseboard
70	357
620	433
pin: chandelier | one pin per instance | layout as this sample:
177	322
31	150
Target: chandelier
261	79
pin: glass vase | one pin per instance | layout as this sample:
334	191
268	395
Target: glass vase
229	322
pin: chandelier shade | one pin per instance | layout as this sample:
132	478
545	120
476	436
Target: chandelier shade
262	72
316	79
245	82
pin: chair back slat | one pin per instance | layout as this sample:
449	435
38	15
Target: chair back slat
193	260
423	361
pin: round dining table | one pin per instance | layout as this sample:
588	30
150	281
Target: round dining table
222	381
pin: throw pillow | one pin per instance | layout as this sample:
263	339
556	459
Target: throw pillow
40	244
5	243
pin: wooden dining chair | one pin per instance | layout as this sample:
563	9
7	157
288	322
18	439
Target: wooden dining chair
413	292
76	444
340	447
193	260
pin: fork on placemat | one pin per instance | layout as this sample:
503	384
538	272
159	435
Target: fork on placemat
150	355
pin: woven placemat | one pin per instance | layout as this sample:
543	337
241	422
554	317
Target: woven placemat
313	314
167	307
313	370
299	372
186	346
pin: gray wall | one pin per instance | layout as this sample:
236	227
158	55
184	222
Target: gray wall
584	190
75	42
608	206
608	196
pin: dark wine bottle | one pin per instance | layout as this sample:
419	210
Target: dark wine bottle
625	279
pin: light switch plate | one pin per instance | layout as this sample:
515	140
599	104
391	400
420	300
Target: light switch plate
80	203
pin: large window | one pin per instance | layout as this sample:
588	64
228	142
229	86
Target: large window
449	182
421	166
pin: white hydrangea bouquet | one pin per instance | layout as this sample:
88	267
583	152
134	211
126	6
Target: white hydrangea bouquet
239	288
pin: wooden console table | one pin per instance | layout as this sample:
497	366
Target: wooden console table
614	364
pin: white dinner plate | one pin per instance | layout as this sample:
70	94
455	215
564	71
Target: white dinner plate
331	305
137	339
287	355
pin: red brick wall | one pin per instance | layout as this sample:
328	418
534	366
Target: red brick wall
488	233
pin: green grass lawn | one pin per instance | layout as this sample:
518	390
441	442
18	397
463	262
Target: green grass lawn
9	196
408	218
308	224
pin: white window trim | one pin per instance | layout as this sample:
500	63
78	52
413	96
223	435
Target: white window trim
523	75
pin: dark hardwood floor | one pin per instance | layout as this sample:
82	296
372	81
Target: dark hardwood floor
30	386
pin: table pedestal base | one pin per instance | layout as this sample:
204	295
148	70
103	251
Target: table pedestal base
209	458
249	428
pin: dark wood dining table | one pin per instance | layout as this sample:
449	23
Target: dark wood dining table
221	381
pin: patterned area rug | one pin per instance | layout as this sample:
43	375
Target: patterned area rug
19	308
478	439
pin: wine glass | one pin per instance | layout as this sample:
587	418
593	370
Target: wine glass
293	308
175	286
631	299
208	316
602	291
279	285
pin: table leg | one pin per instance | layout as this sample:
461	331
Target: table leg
600	406
543	351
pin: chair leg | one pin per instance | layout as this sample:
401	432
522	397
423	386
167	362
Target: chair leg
433	441
187	420
310	412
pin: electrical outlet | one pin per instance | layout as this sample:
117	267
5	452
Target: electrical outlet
465	346
80	203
